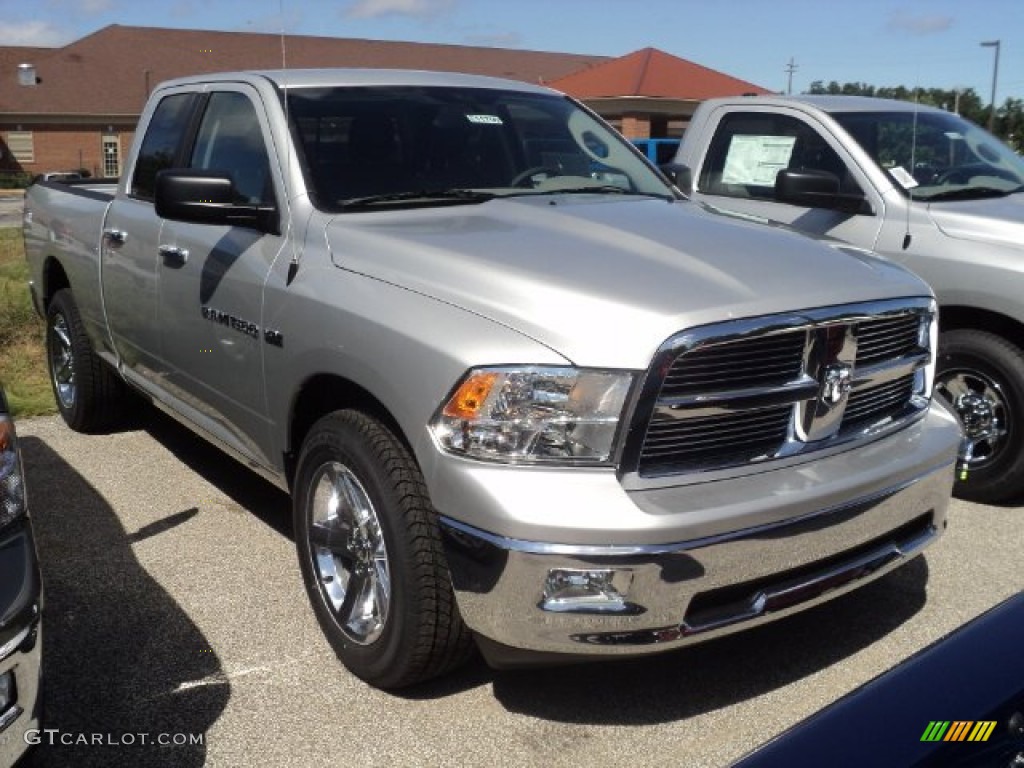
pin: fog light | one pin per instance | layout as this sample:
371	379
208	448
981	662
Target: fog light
7	695
579	591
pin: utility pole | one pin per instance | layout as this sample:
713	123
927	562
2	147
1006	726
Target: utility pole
995	77
790	69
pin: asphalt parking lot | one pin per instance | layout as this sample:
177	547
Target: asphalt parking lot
174	606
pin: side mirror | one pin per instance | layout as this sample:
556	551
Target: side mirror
208	197
814	189
680	175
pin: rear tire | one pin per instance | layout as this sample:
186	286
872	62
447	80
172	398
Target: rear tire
89	394
981	375
370	553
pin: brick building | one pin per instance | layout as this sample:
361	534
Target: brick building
88	95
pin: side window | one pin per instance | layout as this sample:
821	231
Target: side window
163	137
750	148
230	141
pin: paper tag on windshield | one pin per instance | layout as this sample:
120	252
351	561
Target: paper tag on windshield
484	119
904	179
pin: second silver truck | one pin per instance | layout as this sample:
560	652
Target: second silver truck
522	393
918	185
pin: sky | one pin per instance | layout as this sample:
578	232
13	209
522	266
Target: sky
925	43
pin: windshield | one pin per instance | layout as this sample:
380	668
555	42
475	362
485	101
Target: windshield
946	158
399	145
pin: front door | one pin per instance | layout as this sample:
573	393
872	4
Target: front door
212	279
747	150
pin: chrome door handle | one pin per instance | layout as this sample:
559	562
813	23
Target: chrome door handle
118	236
172	255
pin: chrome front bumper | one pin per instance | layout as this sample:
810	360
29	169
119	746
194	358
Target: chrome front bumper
676	593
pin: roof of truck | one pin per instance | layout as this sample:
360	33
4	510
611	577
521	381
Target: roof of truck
315	78
838	103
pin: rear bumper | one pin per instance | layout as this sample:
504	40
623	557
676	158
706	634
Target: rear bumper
660	596
20	639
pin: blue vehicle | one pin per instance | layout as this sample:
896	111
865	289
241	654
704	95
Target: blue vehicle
658	151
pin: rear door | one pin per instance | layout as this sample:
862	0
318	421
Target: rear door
131	236
212	280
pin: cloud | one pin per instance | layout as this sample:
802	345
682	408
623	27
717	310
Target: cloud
421	9
923	24
32	33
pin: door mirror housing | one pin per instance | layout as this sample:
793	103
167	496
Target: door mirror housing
817	189
209	197
680	175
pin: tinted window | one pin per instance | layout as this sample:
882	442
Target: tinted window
163	137
230	141
389	140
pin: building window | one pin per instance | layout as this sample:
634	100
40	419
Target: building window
111	155
22	146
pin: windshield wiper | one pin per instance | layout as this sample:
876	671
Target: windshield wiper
968	193
426	196
604	189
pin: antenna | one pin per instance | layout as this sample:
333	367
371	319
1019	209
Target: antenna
293	263
913	165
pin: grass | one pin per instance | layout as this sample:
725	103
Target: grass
22	352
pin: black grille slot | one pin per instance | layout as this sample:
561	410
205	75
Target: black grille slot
692	443
764	361
872	404
887	338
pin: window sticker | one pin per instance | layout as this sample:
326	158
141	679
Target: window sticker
903	177
484	119
757	159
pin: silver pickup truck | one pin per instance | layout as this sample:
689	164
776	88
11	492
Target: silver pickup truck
920	186
522	393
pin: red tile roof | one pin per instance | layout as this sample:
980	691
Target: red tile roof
108	72
654	74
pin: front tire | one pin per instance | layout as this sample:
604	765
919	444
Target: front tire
370	554
981	375
89	395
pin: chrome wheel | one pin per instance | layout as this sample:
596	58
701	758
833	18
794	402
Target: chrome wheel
62	361
984	413
349	557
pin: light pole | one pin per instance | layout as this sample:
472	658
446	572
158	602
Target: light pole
995	77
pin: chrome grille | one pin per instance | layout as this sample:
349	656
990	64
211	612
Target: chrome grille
779	358
887	338
872	404
710	440
757	390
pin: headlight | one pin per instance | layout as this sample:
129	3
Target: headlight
12	483
534	415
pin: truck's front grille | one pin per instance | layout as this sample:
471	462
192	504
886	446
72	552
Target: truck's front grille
760	362
762	389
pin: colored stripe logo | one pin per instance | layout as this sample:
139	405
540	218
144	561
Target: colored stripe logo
958	730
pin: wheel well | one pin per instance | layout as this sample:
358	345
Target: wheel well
54	278
321	395
953	318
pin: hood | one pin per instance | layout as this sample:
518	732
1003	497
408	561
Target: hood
999	220
605	280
